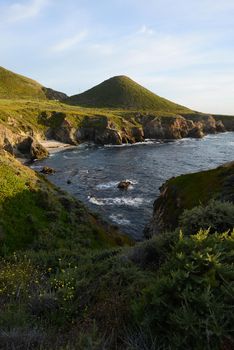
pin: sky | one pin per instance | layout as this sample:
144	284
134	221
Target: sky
182	50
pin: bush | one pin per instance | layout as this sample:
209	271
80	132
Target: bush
217	216
190	303
152	253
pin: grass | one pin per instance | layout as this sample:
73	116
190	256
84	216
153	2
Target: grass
32	210
70	281
191	190
16	86
30	116
13	85
123	92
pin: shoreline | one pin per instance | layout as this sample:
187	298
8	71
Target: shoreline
53	146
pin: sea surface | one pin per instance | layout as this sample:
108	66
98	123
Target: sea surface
94	173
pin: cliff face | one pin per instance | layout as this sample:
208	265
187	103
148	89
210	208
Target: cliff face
21	145
187	191
27	122
103	130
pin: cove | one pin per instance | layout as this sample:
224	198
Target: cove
92	173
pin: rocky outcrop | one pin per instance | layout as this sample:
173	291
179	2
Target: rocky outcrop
123	185
179	127
179	193
65	133
54	95
47	170
100	129
32	149
227	122
21	145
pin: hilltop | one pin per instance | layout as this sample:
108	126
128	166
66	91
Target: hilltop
16	86
123	92
116	111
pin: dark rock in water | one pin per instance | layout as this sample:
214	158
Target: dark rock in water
69	182
47	170
123	185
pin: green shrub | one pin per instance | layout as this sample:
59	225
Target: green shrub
190	303
152	253
217	216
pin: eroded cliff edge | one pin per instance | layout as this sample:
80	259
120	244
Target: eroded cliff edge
188	191
23	126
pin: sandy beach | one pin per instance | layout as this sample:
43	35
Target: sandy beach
53	146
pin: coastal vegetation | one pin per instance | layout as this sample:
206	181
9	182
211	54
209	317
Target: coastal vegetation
122	92
71	281
116	111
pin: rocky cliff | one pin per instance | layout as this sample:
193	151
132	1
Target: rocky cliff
137	128
186	192
22	129
22	145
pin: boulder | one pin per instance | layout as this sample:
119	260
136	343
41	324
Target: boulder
196	132
108	136
37	151
47	170
219	126
32	149
124	184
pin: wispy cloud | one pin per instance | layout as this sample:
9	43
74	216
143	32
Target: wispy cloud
21	11
69	43
146	30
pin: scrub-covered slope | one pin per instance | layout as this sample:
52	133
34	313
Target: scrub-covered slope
189	191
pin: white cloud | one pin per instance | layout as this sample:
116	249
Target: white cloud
69	43
146	30
18	11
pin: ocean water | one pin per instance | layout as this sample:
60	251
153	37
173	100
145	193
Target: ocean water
95	172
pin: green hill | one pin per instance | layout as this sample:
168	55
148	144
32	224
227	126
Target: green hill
32	210
15	86
123	92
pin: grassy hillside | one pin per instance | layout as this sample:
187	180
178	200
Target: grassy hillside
33	212
21	115
123	92
15	86
191	190
70	282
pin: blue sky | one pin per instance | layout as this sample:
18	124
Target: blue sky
182	50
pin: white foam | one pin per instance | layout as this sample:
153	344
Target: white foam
36	167
95	200
66	157
107	185
118	201
146	142
119	219
114	184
